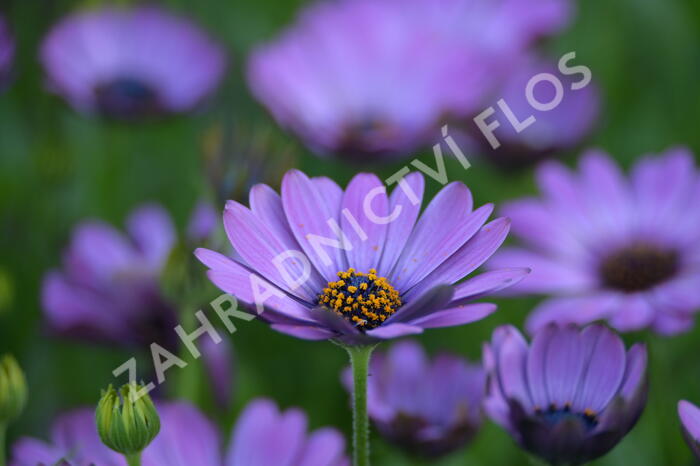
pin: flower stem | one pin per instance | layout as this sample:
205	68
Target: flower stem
359	360
133	459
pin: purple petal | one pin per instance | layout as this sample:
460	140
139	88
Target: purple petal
154	233
511	354
488	282
308	214
260	248
535	223
186	437
434	299
635	371
607	189
564	365
324	447
31	452
394	330
464	314
662	183
547	275
690	418
98	252
634	312
400	230
429	246
670	324
329	191
202	223
238	281
266	204
68	307
537	366
260	422
400	370
572	310
470	256
76	435
366	250
604	371
558	184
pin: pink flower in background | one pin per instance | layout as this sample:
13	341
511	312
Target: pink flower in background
131	62
108	289
549	132
429	407
263	436
383	92
608	246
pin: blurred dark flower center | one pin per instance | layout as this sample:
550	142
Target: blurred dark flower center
638	267
554	415
126	98
365	299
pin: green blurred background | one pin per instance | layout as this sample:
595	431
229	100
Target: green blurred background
57	168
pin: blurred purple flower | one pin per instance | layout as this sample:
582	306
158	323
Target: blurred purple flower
569	397
608	247
131	63
108	289
555	130
690	425
7	51
337	247
384	93
203	222
430	408
188	438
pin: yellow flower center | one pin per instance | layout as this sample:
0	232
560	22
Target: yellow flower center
365	299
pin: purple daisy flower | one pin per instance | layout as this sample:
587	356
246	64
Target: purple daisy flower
131	63
7	51
384	93
108	289
429	408
359	266
608	247
553	131
570	396
689	415
188	438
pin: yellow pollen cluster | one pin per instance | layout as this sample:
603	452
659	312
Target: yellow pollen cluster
365	299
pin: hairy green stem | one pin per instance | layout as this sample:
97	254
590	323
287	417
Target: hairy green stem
359	360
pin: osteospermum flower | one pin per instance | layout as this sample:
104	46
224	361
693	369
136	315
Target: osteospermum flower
689	415
108	289
131	63
359	266
571	395
188	438
7	50
383	94
552	131
610	247
430	408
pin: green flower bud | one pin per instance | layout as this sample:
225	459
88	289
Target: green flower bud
13	389
127	421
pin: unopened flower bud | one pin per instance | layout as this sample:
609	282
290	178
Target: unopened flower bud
13	389
127	421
